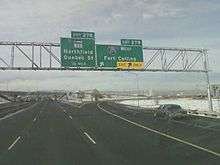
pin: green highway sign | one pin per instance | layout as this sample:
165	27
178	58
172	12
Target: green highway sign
82	35
77	52
109	55
131	42
80	51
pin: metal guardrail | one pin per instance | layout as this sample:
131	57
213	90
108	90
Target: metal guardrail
204	114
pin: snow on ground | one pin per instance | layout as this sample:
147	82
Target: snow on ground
2	101
185	103
78	100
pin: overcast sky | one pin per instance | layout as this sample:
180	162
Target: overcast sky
177	23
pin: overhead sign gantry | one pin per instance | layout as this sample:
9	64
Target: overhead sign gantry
79	52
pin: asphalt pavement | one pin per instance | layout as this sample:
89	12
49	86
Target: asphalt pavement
56	133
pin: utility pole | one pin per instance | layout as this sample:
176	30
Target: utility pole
137	83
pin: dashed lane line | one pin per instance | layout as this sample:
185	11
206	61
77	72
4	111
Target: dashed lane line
77	106
161	133
86	134
65	111
35	119
19	111
89	137
13	144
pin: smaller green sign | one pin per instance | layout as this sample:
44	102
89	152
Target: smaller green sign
82	35
131	42
77	52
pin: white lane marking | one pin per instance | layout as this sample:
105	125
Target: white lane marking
35	119
76	106
13	144
93	141
65	111
82	105
161	133
19	111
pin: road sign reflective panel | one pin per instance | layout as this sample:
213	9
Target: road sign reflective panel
109	55
82	35
77	52
131	42
130	65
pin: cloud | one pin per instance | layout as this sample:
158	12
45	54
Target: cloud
179	23
39	19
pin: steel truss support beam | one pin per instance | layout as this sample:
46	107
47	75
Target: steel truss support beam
161	55
12	55
95	69
8	43
32	55
174	49
195	60
51	54
185	58
31	60
40	55
163	59
1	59
176	57
149	62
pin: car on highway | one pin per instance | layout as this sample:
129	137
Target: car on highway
170	111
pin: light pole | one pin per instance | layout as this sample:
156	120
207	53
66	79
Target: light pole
137	80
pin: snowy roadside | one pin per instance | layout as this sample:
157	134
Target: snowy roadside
185	103
2	101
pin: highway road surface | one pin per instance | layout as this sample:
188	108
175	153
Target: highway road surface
56	133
